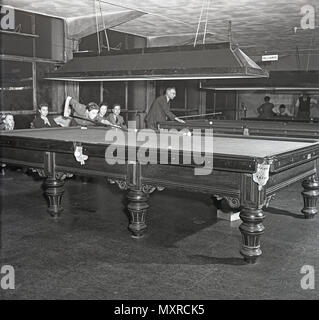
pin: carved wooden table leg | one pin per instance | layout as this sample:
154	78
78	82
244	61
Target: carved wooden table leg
137	208
251	229
54	189
310	195
252	215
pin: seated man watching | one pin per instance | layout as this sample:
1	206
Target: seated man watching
83	115
102	112
7	122
43	120
115	118
282	111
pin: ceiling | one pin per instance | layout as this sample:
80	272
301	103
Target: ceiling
257	26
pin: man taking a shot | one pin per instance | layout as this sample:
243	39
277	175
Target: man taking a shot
83	115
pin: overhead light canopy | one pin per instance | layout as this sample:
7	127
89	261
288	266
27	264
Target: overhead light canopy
278	80
211	61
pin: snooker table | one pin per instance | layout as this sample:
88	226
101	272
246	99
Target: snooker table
245	170
283	119
249	127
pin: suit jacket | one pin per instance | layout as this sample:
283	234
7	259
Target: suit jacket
158	112
119	120
38	122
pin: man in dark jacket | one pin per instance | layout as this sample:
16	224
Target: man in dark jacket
160	110
266	109
43	120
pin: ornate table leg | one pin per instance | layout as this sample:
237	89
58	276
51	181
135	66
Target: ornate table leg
310	195
137	208
251	229
54	189
252	215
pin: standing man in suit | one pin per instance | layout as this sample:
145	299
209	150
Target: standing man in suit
304	104
160	110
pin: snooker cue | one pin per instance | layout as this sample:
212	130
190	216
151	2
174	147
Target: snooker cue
200	115
98	123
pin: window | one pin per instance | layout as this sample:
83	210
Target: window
49	44
32	31
15	43
44	87
223	103
17	86
114	92
89	92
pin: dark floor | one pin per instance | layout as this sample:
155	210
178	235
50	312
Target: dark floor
187	253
